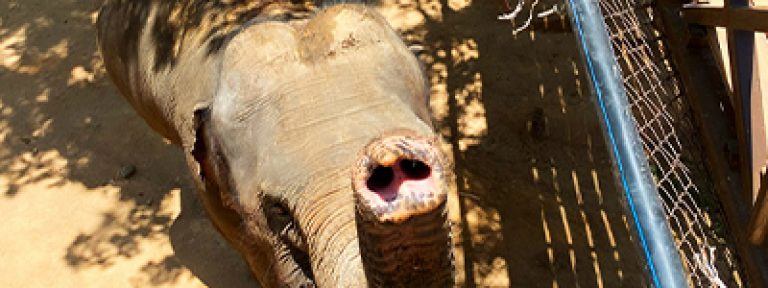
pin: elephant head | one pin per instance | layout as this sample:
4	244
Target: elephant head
319	156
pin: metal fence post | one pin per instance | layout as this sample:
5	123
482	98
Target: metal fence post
645	205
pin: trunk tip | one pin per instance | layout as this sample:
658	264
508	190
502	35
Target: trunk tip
399	175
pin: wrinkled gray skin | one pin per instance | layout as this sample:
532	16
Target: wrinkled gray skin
284	113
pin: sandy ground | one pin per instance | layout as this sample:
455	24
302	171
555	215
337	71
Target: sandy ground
536	203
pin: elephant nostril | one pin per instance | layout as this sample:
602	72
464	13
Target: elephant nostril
380	178
403	176
415	169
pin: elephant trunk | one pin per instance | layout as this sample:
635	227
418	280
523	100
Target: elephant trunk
394	231
333	245
400	184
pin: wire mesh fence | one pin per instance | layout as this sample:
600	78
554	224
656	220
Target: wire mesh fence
668	137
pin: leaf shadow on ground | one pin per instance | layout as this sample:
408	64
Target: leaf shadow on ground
61	120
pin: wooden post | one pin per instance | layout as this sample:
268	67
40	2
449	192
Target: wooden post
758	225
740	51
758	96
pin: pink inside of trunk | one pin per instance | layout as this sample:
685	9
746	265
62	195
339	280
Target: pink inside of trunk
405	177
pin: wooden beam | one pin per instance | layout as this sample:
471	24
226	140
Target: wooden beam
706	92
743	18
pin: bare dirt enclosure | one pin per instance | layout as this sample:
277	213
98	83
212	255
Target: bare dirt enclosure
535	206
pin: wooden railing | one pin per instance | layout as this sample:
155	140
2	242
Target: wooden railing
747	56
753	18
729	101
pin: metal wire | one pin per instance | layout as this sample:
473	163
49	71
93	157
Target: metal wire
662	119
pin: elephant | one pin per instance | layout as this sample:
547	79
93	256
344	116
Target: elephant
306	127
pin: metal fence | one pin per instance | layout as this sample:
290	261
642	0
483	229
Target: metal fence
662	119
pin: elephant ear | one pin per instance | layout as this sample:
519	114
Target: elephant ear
199	154
210	166
213	178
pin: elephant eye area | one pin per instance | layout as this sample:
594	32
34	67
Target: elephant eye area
282	224
279	218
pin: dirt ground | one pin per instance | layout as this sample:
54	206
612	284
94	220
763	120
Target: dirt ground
536	204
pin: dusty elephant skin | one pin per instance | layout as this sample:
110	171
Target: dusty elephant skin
308	130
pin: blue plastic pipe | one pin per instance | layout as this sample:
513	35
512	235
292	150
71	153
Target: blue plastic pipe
664	265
